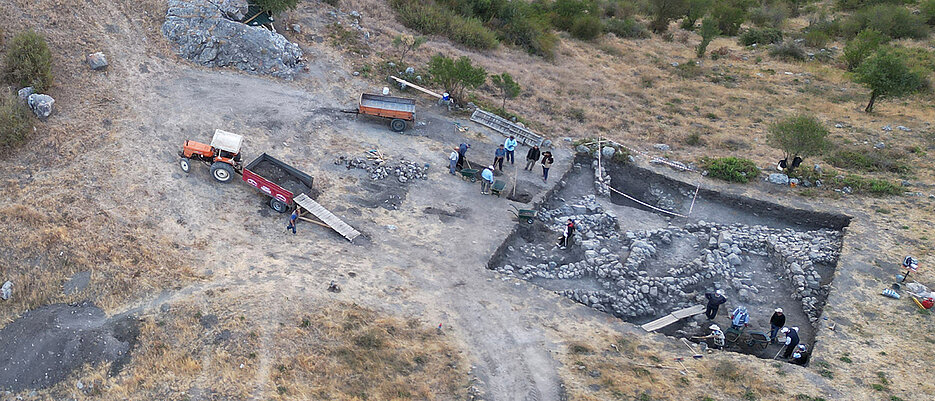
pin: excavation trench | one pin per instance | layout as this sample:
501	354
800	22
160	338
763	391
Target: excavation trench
640	264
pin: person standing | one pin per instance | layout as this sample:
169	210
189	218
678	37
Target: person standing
532	156
547	161
498	156
568	235
462	152
714	302
739	317
792	340
510	145
453	161
776	322
486	180
292	218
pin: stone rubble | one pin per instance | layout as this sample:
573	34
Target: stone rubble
629	291
208	32
404	170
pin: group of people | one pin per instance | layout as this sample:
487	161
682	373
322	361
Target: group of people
739	318
505	152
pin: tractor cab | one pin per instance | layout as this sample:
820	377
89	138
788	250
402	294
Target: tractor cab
223	155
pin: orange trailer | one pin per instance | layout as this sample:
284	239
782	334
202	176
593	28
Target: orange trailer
396	109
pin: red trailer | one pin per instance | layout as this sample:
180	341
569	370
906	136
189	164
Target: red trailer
278	180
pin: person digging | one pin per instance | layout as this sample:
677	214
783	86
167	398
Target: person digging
792	340
800	356
717	336
486	180
715	301
776	322
739	318
569	235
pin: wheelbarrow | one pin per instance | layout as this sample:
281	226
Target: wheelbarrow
497	187
469	174
524	214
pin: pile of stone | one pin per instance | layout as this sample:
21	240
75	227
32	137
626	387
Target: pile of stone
404	170
717	257
208	32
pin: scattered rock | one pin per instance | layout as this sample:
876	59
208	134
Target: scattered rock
24	93
839	125
6	291
41	105
97	61
662	147
880	145
404	170
297	28
904	129
778	179
607	152
887	128
334	287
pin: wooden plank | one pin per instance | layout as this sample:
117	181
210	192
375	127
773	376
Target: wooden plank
327	217
688	312
660	323
419	88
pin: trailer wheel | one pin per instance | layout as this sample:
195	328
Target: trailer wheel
222	172
278	205
398	125
185	164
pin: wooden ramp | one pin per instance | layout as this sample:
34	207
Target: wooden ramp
506	127
673	317
326	217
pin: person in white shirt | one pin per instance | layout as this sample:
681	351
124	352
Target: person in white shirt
453	161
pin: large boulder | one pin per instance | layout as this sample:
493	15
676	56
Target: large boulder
41	105
206	32
779	179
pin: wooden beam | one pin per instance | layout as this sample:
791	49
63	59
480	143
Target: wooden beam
313	221
417	87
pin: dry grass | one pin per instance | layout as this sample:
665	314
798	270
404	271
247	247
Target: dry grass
350	353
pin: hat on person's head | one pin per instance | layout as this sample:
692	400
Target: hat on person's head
803	347
795	328
714	327
778	310
785	330
796	355
490	167
719	292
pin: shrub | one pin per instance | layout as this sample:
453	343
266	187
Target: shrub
788	51
708	32
869	185
858	4
15	122
586	27
28	62
763	36
862	46
732	169
927	8
565	13
627	28
278	6
430	18
729	14
529	32
664	11
769	15
875	160
894	21
688	69
816	39
886	75
507	87
800	135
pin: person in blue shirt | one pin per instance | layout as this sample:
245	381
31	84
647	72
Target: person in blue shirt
292	218
486	180
498	156
739	317
510	146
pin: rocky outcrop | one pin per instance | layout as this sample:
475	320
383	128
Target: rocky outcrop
208	32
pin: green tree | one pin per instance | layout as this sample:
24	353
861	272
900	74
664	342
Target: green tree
695	10
664	11
456	75
277	6
927	8
886	75
708	32
406	44
508	88
800	135
28	62
730	14
862	46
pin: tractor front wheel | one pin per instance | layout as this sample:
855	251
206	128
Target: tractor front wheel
222	172
398	125
185	164
278	205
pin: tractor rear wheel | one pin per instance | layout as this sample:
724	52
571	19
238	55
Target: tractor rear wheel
222	172
185	164
278	205
398	125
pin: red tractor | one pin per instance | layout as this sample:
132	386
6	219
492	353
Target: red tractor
223	155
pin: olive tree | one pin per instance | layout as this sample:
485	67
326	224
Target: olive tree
664	11
886	75
406	44
456	75
798	136
507	86
708	32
